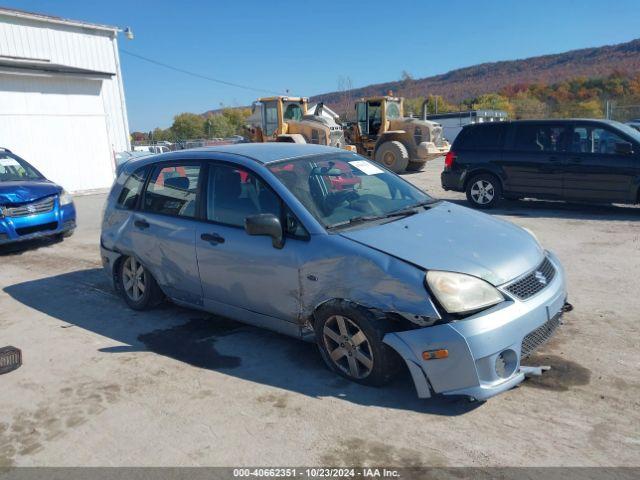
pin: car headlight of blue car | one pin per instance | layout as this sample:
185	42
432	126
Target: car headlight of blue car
65	198
460	293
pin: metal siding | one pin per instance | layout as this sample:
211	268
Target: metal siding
75	46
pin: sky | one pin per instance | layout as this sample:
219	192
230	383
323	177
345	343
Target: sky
305	47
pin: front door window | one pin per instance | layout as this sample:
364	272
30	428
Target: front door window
234	194
594	140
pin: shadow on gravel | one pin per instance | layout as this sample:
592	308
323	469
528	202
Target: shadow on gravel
559	209
86	300
19	248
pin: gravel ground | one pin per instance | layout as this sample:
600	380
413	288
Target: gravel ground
103	385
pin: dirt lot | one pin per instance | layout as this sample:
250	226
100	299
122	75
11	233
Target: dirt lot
103	385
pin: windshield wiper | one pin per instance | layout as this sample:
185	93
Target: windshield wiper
370	218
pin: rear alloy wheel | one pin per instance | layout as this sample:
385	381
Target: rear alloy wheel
484	191
138	287
393	155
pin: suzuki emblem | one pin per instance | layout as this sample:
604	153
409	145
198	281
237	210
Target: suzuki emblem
31	208
540	277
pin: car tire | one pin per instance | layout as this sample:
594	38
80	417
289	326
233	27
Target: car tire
393	155
416	166
484	191
137	286
349	338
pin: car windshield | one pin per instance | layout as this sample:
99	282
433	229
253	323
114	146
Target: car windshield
343	189
14	169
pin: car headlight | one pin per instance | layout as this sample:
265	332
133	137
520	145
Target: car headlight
65	198
459	293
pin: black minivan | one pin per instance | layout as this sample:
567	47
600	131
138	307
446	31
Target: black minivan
564	159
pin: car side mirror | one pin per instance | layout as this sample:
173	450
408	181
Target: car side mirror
266	224
624	148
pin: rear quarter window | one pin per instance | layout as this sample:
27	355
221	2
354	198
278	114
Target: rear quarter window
130	192
481	137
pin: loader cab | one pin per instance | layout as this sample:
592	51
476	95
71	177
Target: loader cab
372	114
274	112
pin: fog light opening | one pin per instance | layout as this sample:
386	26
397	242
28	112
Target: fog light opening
506	363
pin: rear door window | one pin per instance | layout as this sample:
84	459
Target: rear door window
173	190
541	138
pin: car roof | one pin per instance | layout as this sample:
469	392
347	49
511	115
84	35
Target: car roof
612	123
271	151
262	153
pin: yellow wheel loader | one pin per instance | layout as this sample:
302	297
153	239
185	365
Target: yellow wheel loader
382	133
287	119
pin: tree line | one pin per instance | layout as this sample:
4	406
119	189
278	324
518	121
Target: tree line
187	126
578	97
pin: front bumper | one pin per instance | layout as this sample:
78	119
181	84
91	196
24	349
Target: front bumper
478	345
428	150
60	220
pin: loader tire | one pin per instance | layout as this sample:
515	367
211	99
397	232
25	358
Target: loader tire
393	155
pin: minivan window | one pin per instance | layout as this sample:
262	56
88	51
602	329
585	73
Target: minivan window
541	138
128	197
172	190
594	140
483	137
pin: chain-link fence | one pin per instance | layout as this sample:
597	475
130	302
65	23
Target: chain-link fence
622	112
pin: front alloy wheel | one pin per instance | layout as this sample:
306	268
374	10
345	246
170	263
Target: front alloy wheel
349	338
348	347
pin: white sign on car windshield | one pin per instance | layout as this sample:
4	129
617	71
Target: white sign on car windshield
366	167
9	162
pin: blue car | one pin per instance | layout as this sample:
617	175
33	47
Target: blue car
30	205
374	271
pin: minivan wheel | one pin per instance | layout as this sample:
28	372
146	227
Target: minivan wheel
138	287
484	191
393	155
350	342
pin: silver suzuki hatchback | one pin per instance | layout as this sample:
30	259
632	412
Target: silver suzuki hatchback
326	246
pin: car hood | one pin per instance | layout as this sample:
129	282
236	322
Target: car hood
456	239
26	191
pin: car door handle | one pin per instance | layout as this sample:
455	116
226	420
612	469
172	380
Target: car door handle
554	159
141	224
212	238
576	160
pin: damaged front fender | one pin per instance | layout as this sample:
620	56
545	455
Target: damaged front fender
367	277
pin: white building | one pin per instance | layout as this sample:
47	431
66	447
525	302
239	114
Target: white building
62	102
